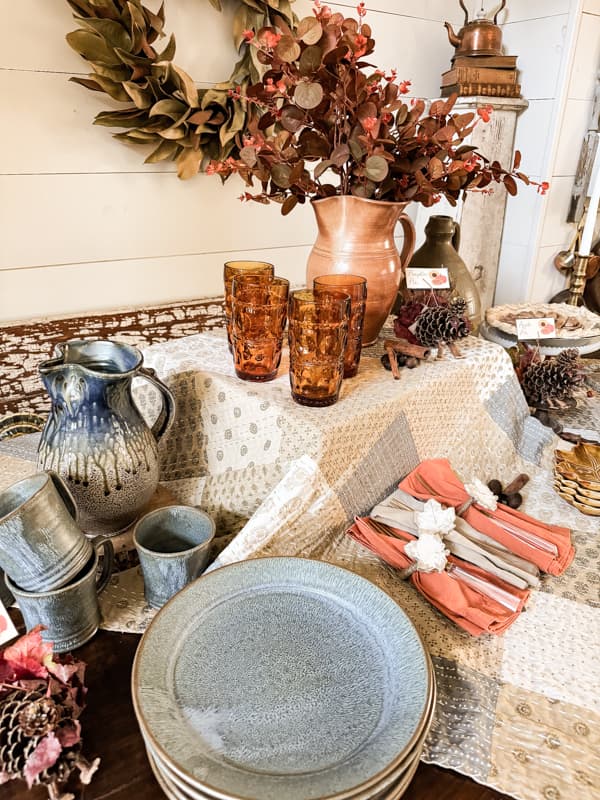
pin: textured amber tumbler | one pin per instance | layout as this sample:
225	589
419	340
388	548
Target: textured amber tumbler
318	328
356	287
232	268
258	317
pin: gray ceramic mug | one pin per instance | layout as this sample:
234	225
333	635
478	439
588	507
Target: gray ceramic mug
41	545
173	544
71	614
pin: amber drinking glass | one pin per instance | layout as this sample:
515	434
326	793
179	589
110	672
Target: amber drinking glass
258	317
318	328
232	268
356	287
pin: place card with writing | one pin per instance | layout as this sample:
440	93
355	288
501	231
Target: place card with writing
427	278
540	328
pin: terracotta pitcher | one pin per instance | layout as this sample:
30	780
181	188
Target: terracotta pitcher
356	236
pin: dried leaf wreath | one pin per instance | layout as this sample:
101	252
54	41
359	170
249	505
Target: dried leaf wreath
188	125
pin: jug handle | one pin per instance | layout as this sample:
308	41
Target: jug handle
410	239
65	493
167	412
456	236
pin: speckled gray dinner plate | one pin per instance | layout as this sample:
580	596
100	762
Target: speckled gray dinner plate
378	789
281	677
394	792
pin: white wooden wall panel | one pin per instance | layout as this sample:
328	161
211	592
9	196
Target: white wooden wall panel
547	280
520	211
587	59
38	29
544	35
534	133
86	225
47	128
513	273
104	285
591	6
539	44
556	230
35	37
530	9
436	10
574	127
65	219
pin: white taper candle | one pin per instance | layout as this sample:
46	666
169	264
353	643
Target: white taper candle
587	235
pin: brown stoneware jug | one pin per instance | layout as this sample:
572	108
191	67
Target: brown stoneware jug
441	250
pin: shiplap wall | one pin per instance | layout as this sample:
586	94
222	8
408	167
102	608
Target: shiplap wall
85	225
559	46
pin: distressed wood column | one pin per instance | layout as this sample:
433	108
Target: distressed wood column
482	217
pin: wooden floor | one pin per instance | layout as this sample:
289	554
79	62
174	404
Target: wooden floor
110	731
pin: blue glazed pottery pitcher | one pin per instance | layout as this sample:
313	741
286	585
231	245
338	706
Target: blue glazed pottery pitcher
95	437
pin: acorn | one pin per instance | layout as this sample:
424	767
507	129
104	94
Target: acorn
401	360
385	360
513	500
495	487
510	496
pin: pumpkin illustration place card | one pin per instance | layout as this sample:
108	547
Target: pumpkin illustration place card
7	629
541	328
427	278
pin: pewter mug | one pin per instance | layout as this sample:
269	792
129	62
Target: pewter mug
95	437
173	544
41	545
71	614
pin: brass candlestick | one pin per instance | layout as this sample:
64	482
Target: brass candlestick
578	279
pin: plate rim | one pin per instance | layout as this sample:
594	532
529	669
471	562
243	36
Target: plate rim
356	576
419	746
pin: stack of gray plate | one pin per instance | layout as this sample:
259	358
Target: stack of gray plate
283	679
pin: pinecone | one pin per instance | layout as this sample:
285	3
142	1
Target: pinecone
437	324
15	745
555	379
25	718
39	717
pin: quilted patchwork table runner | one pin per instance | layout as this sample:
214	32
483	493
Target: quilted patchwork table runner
519	712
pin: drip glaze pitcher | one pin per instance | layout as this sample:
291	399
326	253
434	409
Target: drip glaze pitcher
95	437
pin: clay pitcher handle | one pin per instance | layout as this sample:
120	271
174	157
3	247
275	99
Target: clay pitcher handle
167	412
64	493
456	236
410	239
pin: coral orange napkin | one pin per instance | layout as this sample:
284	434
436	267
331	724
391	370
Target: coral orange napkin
469	608
547	546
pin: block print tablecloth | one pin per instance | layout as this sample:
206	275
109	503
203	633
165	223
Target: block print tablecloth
520	712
